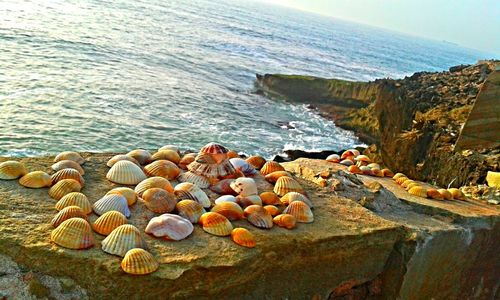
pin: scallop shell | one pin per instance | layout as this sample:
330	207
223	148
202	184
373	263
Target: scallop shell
273	177
347	162
286	185
413	184
170	147
253	208
188	190
270	167
108	222
216	224
162	168
349	153
203	158
226	198
111	202
243	237
12	170
77	199
67	174
36	179
256	161
334	158
406	183
243	166
67	213
270	198
294	196
190	210
68	164
125	172
354	169
186	160
387	173
113	160
300	211
126	192
230	210
434	194
213	148
401	180
142	156
74	233
122	239
159	200
64	187
261	219
169	155
199	180
232	154
398	175
70	155
446	194
272	210
378	173
363	158
138	261
418	191
245	201
244	186
170	226
153	182
224	168
456	194
223	187
285	220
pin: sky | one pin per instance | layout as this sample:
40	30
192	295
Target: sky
470	23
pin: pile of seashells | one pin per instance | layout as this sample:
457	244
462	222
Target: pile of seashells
417	189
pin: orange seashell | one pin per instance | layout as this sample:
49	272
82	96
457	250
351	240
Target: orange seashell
413	184
387	173
285	220
333	158
64	187
446	194
270	198
170	147
162	168
400	180
230	210
294	196
67	174
12	170
253	208
243	237
74	233
366	170
36	179
216	224
270	167
300	211
159	200
256	161
378	173
68	213
272	210
153	182
362	158
70	155
113	160
434	194
223	187
261	219
346	154
76	199
407	182
190	210
354	169
273	177
201	181
286	185
68	164
138	261
220	169
122	239
126	192
398	175
418	191
456	194
232	154
186	160
140	155
125	172
108	222
213	148
169	155
188	190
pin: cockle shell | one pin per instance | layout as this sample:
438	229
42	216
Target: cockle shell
232	154
243	237
406	183
126	192
122	239
108	222
273	177
252	208
362	158
456	194
36	179
170	226
153	182
64	187
349	153
204	158
216	224
138	261
418	191
125	172
162	168
256	161
111	202
188	190
245	201
223	187
226	198
169	155
186	160
244	186
142	156
271	166
387	173
77	199
413	184
294	196
434	194
74	233
68	164
354	169
243	166
300	211
230	210
70	155
400	180
286	185
199	180
285	220
170	147
334	158
347	162
270	198
213	148
159	200
224	168
190	210
272	210
398	175
113	160
12	170
259	217
378	173
68	213
67	174
446	194
374	166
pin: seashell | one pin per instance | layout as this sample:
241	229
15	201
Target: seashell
108	222
203	158
294	196
446	194
138	261
113	160
125	172
67	174
159	200
230	210
245	201
401	179
273	177
349	153
199	180
68	164
270	167
143	157
243	166
153	182
347	162
363	158
64	187
74	233
226	198
252	208
244	186
261	219
434	194
190	210
232	154
374	166
170	226
170	147
456	194
76	199
300	211
67	213
111	202
162	168
406	183
224	168
286	185
217	151
285	220
377	172
412	184
216	224
36	179
398	175
354	169
366	170
70	155
169	155
272	210
387	173
122	239
126	192
223	187
188	190
186	160
12	170
256	161
334	158
419	191
270	198
243	237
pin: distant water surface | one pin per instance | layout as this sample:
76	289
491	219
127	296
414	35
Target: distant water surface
113	76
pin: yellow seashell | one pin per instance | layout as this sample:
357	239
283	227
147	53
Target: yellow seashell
230	210
125	172
300	211
113	160
446	194
270	198
286	185
162	168
142	156
199	180
68	164
122	239
64	187
456	194
363	158
153	182
272	210
418	191
67	174
493	179
285	220
406	183
216	224
77	199
111	202
412	184
387	173
186	160
270	167
354	169
159	200
169	155
68	213
398	175
256	161
401	180
138	261
374	166
434	194
190	210
273	177
35	180
108	222
188	190
243	237
126	192
70	155
294	196
74	233
12	170
253	208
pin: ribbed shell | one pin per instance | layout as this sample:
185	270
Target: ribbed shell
253	208
138	261
170	226
68	164
400	180
285	220
243	166
125	172
366	170
387	173
122	239
261	219
113	160
407	183
226	198
153	182
223	187
70	155
68	213
142	156
335	158
126	192
347	162
378	173
77	199
354	169
349	153
243	237
199	180
434	194
186	160
294	196
270	198
213	148
111	202
398	175
108	222
286	185
162	168
216	224
413	184
12	170
35	180
74	233
300	211
456	194
245	201
64	187
190	210
244	186
221	169
230	210
256	161
67	174
270	167
273	177
272	210
446	194
169	155
159	200
418	191
170	147
187	190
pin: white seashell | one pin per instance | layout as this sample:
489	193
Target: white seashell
244	186
243	166
111	202
226	198
171	226
199	180
333	158
125	172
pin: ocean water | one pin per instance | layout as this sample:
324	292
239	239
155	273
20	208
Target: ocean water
117	75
